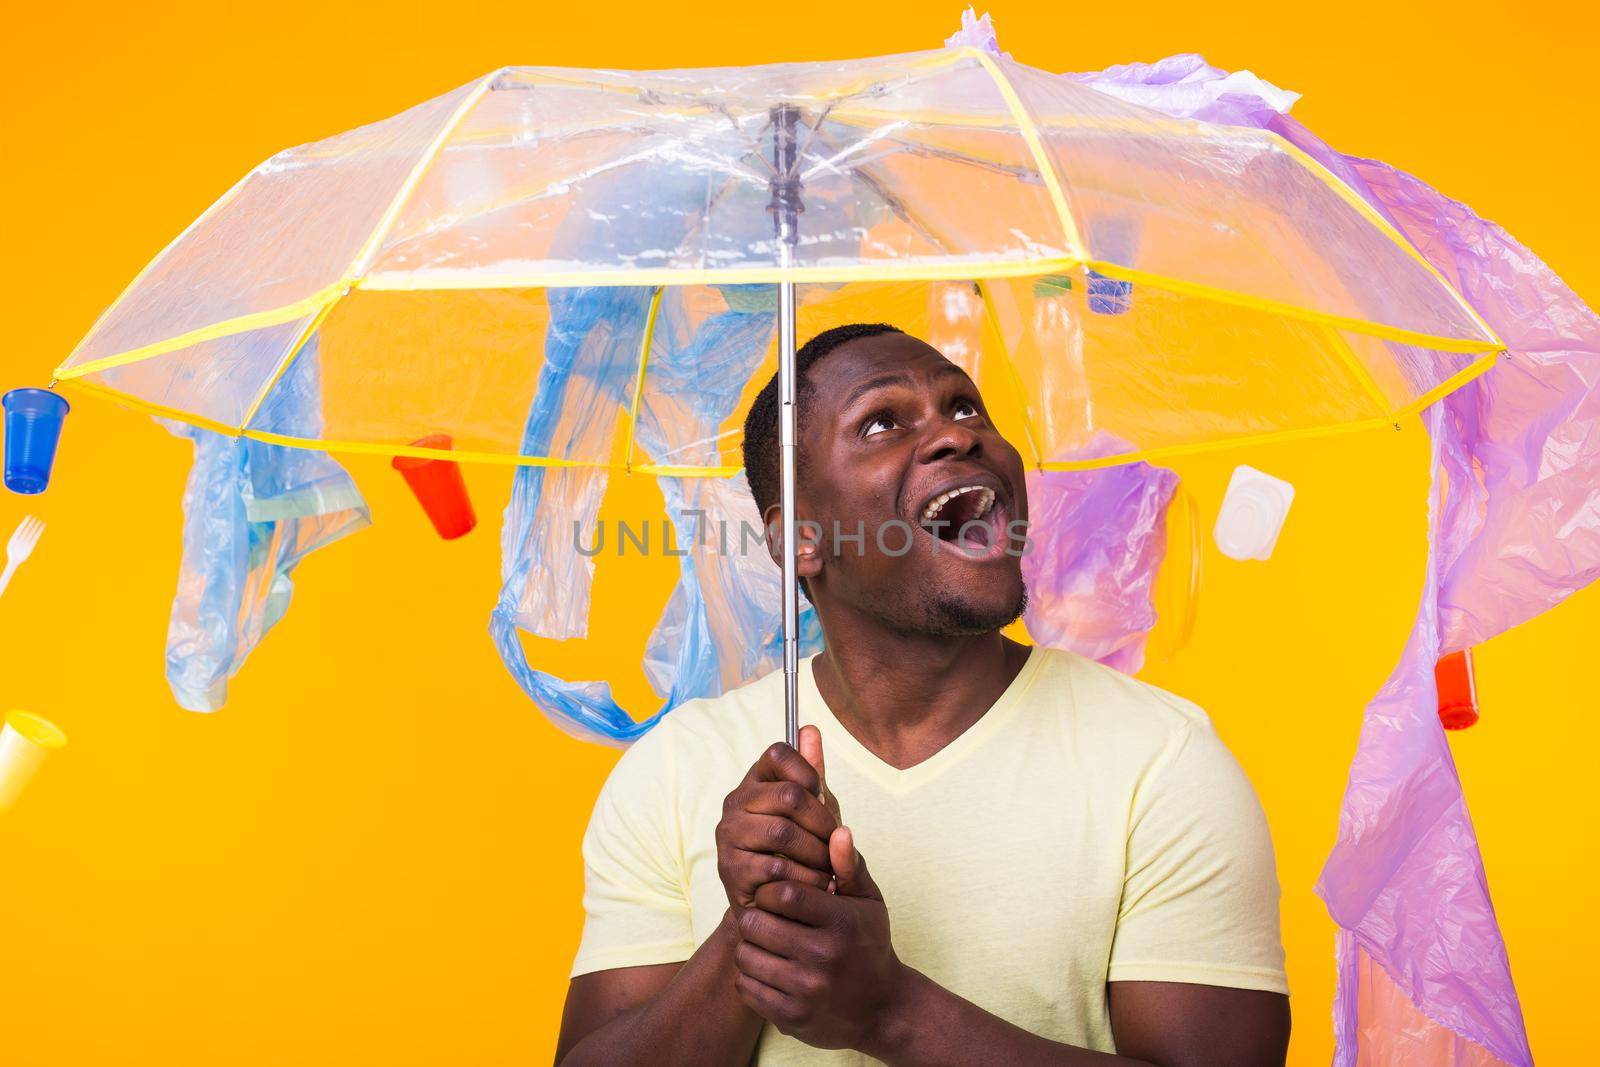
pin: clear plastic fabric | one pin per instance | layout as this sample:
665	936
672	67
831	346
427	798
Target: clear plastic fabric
1220	283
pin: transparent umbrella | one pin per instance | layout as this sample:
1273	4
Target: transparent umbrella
585	271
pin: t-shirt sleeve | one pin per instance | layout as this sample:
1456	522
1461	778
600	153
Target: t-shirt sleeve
1200	893
635	896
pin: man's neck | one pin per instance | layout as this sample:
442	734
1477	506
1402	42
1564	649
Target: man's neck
906	696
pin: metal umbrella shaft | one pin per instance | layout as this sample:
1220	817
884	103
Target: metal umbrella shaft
785	207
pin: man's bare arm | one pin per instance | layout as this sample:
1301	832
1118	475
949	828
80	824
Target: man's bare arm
773	826
674	1013
822	968
1156	1024
1176	1024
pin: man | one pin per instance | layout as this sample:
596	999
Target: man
1009	855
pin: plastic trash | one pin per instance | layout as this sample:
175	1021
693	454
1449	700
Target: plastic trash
439	487
1115	240
252	511
25	740
33	429
1097	539
1252	514
1458	690
1109	296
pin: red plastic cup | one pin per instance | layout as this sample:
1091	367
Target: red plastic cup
1458	690
439	487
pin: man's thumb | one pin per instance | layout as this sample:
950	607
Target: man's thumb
811	749
849	869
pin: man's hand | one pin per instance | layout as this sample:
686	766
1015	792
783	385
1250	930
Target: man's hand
818	965
774	828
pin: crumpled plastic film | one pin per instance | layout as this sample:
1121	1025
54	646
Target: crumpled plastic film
1515	530
1524	520
1097	541
720	627
252	512
1405	881
705	344
1390	1029
591	354
729	591
591	349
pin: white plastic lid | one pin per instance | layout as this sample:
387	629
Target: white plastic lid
1252	515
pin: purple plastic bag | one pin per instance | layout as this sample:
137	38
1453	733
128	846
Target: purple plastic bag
1515	529
1098	539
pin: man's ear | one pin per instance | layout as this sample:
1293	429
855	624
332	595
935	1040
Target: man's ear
808	556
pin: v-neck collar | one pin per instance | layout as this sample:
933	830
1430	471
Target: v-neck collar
838	741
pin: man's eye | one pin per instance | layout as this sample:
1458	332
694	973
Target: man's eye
877	424
965	409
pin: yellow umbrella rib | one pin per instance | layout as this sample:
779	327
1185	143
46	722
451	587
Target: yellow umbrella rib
1376	218
375	240
638	381
416	281
944	271
226	328
419	170
1030	135
216	205
318	302
1473	370
1357	369
312	325
1456	381
373	448
1294	311
991	322
1147	455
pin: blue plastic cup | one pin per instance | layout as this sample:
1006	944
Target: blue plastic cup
33	429
1109	296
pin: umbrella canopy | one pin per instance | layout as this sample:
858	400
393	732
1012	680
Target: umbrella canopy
1164	283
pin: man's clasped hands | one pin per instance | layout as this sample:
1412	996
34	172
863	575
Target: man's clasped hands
814	956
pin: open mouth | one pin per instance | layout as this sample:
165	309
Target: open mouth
967	519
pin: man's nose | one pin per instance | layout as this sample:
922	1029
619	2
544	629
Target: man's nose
949	439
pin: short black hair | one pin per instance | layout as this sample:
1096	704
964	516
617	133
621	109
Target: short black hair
762	461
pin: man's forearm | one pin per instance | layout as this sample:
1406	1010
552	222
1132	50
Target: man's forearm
696	1018
929	1026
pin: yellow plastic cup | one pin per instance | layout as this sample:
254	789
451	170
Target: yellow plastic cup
25	740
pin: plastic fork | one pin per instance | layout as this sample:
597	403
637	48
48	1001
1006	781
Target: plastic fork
20	547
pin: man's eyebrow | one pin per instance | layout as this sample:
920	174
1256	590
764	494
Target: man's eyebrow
862	388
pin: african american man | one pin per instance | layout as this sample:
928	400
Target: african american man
983	853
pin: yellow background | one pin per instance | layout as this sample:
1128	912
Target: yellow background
371	855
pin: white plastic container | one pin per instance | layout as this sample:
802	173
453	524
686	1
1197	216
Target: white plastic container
1252	515
25	740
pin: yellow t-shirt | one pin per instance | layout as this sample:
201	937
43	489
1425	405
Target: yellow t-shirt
1089	828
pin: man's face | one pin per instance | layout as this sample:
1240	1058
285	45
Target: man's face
898	445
